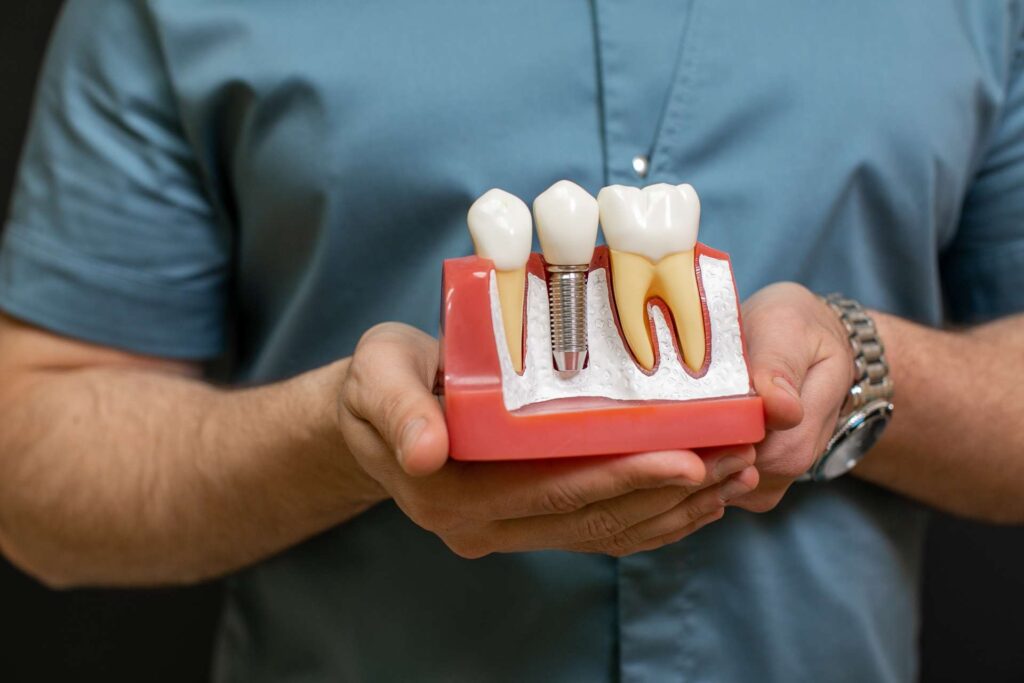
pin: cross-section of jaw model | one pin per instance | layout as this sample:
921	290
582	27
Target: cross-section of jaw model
632	347
652	234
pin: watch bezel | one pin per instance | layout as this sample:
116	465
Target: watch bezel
837	458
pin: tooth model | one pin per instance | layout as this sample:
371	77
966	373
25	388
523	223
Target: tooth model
652	234
502	231
640	349
567	216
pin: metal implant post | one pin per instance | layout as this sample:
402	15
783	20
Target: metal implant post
567	298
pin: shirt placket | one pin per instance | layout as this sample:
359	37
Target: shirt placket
656	601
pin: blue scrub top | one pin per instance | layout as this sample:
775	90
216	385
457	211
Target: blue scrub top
300	169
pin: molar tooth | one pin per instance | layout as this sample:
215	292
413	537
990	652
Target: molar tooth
652	234
502	231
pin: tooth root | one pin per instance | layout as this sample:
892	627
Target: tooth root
676	283
632	276
511	291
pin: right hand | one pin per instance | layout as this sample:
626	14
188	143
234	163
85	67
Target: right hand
615	505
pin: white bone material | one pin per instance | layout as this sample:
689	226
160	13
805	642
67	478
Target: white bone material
611	372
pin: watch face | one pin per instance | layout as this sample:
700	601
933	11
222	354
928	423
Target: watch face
860	433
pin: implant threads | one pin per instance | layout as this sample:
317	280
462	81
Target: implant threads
567	296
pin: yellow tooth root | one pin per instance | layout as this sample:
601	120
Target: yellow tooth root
511	290
632	276
674	279
676	283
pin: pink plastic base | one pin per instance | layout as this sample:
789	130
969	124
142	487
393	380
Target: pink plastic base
481	428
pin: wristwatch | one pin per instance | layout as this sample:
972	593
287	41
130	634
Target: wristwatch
868	407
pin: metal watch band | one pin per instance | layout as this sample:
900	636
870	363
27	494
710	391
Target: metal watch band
872	372
867	408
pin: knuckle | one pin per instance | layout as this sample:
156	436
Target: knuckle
602	522
377	333
561	499
624	541
390	409
693	509
352	392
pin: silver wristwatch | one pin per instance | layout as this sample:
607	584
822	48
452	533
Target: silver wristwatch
868	407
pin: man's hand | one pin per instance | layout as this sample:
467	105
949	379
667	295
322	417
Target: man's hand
802	367
616	505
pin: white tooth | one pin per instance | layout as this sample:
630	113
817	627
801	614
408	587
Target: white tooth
567	217
502	229
653	222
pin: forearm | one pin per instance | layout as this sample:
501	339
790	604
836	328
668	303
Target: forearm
125	476
957	439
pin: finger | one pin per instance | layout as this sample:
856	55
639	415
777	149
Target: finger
604	519
633	520
675	536
595	522
778	365
389	386
514	490
608	518
678	519
723	461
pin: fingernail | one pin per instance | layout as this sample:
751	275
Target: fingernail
728	465
410	435
731	489
784	384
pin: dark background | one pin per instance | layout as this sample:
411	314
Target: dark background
973	591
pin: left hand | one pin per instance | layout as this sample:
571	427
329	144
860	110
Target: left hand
801	363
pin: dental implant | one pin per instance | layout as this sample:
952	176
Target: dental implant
566	217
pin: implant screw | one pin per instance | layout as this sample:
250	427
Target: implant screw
567	296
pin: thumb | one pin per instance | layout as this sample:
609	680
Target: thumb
390	378
778	368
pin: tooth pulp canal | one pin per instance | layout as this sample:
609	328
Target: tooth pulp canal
502	231
567	217
651	235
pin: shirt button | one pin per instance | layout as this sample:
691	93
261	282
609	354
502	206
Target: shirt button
640	165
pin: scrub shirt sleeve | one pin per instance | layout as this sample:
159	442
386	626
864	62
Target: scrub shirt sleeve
111	237
983	269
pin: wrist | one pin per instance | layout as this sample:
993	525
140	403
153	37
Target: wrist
324	390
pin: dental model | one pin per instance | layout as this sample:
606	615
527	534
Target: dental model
635	346
652	234
502	231
566	217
